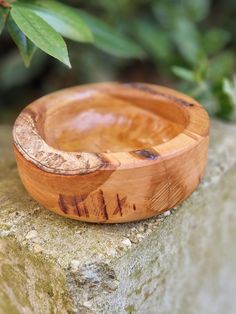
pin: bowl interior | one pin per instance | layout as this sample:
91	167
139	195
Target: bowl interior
106	124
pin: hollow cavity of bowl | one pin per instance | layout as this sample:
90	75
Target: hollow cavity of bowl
111	152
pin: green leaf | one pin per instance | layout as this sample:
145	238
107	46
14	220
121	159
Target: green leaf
3	17
197	10
108	40
157	43
226	92
222	66
215	39
167	12
62	18
183	73
67	21
201	70
229	88
187	40
40	33
25	46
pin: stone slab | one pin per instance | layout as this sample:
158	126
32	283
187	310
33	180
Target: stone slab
180	262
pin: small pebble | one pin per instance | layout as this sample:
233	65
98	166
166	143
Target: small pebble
141	228
38	248
74	264
87	304
149	231
37	240
79	232
31	234
167	213
113	285
134	239
140	236
126	242
111	252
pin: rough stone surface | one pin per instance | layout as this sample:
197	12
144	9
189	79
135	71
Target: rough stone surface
181	262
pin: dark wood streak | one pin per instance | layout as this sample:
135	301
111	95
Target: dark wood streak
120	204
145	154
200	179
76	207
85	210
81	204
76	203
62	204
149	90
102	205
105	162
134	207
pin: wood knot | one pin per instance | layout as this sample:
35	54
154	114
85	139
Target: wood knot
146	154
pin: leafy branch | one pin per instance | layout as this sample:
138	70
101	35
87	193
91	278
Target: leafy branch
42	24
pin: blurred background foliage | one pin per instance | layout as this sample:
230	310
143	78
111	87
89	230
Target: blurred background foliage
188	45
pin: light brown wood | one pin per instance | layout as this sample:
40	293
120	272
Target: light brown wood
111	152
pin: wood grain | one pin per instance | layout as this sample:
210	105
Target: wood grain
111	152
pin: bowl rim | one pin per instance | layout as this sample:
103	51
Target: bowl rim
52	160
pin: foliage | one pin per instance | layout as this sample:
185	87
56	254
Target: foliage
42	23
187	44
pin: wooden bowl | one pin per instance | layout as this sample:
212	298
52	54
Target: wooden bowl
111	152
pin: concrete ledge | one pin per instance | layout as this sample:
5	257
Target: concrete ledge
181	262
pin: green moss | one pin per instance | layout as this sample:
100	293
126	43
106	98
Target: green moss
30	280
137	273
138	291
147	295
130	309
45	287
8	307
11	276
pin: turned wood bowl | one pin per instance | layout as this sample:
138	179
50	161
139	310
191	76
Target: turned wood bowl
111	152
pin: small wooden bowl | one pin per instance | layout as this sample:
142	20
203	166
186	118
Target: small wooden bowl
111	152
